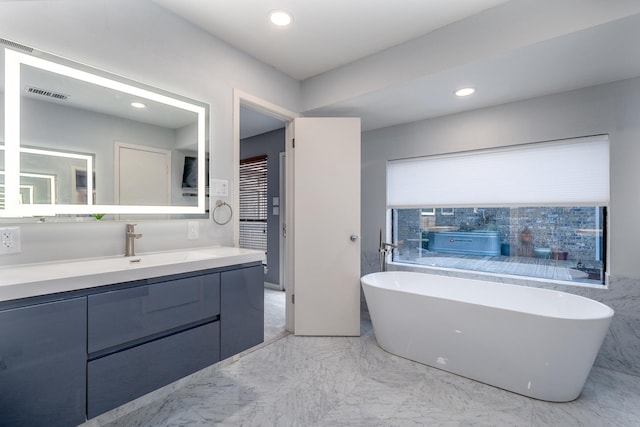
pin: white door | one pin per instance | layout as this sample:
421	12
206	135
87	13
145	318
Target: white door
326	220
142	175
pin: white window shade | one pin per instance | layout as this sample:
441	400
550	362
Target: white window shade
562	173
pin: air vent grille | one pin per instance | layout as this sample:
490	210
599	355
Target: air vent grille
47	93
16	45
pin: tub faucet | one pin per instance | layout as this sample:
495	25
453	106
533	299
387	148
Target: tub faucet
131	236
384	249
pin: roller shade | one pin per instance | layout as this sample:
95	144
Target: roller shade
571	172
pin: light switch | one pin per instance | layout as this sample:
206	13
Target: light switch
219	187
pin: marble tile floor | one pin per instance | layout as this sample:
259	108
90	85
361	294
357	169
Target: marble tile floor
274	315
320	381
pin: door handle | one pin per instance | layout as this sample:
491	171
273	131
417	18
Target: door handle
353	237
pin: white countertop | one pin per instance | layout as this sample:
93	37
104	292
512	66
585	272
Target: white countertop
30	280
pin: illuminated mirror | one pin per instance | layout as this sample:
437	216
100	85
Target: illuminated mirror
79	141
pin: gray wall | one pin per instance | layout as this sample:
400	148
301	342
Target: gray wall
611	109
177	57
270	144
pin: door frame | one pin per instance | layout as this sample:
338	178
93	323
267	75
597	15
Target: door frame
282	223
242	98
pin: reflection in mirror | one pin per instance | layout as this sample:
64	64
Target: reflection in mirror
37	188
44	175
76	145
56	177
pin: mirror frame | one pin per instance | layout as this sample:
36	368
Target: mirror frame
12	98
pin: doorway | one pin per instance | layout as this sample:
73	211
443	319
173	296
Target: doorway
259	192
260	129
317	140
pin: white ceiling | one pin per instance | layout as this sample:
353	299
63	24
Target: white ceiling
396	61
325	34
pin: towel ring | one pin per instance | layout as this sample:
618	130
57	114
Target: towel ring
219	204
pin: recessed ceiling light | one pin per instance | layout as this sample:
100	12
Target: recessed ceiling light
281	18
138	105
466	91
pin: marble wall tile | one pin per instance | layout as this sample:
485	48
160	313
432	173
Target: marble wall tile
369	262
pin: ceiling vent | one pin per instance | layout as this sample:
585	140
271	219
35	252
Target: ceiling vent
15	45
47	93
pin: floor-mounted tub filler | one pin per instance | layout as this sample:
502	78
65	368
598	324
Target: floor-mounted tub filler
535	342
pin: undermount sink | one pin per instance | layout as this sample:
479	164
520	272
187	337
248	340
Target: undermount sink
160	258
106	265
102	265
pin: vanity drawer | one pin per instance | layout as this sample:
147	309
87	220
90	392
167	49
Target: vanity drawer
43	364
121	377
127	315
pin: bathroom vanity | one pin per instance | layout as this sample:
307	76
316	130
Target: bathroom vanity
69	352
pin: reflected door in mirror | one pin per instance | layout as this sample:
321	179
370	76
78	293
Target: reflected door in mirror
143	175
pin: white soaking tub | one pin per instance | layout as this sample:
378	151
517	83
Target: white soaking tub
535	342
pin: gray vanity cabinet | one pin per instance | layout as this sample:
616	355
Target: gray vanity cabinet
242	310
42	364
68	357
145	337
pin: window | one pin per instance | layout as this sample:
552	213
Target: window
555	243
537	210
253	203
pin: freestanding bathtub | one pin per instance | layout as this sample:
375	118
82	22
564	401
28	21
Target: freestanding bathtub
535	342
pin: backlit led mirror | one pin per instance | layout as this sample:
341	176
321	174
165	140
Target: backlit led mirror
81	141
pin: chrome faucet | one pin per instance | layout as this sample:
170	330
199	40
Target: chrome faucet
384	249
131	236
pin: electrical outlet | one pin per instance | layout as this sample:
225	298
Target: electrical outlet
10	240
193	230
